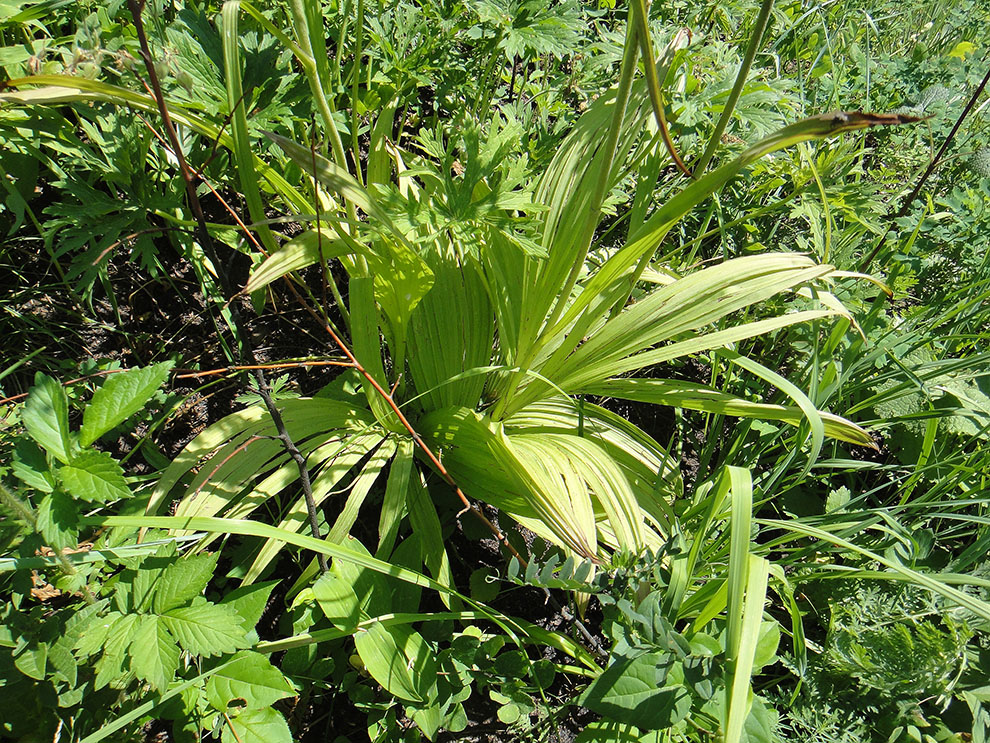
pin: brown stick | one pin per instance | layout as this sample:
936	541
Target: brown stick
864	266
206	243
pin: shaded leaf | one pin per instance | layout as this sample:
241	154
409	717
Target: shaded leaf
399	659
339	601
58	520
46	416
30	465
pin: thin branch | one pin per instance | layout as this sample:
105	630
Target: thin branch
206	243
188	373
290	447
928	171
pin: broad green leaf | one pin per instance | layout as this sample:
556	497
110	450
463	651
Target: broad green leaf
761	723
643	691
46	416
62	662
264	725
145	580
82	622
120	397
183	580
486	464
249	676
58	520
443	343
653	474
206	629
95	477
339	601
399	659
428	718
90	642
154	653
32	661
766	646
31	467
578	480
299	252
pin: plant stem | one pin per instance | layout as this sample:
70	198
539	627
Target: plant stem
26	513
245	351
864	266
601	187
730	104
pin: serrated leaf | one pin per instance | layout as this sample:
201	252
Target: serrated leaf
249	601
95	477
46	416
141	585
31	467
80	623
206	629
154	654
257	726
249	677
631	691
118	639
90	642
183	580
60	658
120	397
399	659
58	520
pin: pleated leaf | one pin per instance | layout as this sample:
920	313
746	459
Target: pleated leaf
693	396
298	253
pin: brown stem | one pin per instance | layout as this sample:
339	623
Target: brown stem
864	266
206	243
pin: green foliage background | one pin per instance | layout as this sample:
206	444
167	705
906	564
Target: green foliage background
485	203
